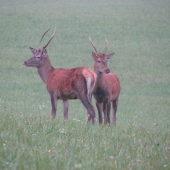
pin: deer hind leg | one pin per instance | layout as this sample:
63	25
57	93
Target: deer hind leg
65	104
54	102
90	87
115	104
90	109
99	108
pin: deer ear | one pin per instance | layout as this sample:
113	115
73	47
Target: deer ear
93	55
33	50
108	56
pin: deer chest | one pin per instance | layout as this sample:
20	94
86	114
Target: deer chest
101	95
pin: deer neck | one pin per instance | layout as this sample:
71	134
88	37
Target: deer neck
45	70
100	76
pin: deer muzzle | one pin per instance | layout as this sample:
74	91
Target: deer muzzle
107	71
25	63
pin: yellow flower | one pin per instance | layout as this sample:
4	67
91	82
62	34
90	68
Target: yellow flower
129	165
49	150
6	141
37	149
129	125
83	139
43	152
124	119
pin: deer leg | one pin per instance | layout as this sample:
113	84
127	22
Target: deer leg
89	97
115	104
54	101
108	112
66	104
99	108
90	109
105	113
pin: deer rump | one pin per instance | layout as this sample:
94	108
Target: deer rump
71	83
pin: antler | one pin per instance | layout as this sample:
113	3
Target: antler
92	44
42	38
106	46
50	39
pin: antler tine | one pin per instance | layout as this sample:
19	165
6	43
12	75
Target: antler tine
42	38
50	38
92	44
106	46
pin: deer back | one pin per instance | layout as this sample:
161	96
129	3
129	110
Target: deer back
68	83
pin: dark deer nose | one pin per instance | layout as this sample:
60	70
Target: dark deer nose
108	71
25	63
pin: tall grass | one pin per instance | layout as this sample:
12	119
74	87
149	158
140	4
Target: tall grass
138	32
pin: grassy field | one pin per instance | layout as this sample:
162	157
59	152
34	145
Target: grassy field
138	31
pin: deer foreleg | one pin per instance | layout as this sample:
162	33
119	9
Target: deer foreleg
65	104
54	101
99	108
105	113
108	112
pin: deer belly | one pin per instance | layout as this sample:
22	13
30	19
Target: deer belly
67	94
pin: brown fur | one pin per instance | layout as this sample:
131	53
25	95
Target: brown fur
64	84
107	87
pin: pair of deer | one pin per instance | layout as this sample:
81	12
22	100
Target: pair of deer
79	83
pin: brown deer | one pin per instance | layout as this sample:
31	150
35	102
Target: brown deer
107	87
64	84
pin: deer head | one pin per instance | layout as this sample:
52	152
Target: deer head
100	60
40	56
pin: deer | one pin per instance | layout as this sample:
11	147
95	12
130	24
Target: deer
64	84
107	87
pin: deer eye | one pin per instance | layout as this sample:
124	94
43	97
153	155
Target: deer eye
99	61
38	57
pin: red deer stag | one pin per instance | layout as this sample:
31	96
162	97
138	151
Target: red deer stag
107	87
64	84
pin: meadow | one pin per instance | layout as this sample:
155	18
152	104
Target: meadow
138	31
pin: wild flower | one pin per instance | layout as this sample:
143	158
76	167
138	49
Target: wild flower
129	125
37	149
49	150
129	165
6	141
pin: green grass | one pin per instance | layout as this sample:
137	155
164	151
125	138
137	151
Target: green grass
138	32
